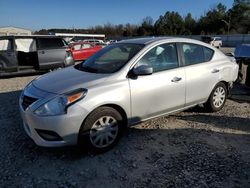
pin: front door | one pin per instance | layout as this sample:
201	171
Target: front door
164	90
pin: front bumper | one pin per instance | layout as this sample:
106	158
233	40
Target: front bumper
66	126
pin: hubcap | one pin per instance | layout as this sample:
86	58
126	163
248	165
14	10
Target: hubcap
104	131
219	97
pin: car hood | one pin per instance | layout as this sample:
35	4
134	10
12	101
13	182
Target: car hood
67	79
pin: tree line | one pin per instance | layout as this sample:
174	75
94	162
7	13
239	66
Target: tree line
217	20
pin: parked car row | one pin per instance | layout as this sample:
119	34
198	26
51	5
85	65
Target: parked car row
23	54
123	84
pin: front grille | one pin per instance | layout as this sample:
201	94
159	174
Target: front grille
27	101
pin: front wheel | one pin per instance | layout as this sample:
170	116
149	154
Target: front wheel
217	98
102	129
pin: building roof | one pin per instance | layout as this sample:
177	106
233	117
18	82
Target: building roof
16	28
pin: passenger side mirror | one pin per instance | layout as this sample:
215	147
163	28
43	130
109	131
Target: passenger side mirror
143	70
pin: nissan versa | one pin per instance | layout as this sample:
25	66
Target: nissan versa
123	84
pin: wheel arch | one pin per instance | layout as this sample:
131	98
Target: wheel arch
114	106
227	86
118	108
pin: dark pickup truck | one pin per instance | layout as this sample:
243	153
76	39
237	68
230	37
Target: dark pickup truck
23	54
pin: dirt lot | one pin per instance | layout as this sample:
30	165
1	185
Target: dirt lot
188	149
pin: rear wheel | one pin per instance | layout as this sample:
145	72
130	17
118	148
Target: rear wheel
102	129
217	98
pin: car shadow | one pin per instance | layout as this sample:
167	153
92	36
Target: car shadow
223	122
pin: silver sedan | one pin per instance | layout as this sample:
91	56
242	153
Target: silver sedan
123	84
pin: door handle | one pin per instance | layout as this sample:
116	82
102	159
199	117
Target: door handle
42	52
215	70
176	79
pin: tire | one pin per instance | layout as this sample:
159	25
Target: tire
101	130
217	98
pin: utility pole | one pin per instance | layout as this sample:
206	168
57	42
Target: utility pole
228	25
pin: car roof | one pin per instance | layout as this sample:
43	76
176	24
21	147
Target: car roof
145	41
150	40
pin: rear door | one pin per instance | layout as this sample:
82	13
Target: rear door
202	74
51	52
8	57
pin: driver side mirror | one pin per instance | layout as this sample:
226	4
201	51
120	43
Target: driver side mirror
143	70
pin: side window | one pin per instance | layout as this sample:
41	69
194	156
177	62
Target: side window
5	45
208	53
85	46
193	53
162	57
25	45
77	46
50	43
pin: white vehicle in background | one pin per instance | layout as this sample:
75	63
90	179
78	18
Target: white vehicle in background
216	42
213	41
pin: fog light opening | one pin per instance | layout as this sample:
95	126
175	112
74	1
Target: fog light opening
48	135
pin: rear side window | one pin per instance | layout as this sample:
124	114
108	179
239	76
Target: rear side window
208	54
195	54
50	43
6	44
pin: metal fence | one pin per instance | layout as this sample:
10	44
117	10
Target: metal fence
228	40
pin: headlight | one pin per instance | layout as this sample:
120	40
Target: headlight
59	104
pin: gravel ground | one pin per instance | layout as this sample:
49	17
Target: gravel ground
187	149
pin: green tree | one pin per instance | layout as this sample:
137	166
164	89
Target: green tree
189	24
169	24
239	16
147	27
212	22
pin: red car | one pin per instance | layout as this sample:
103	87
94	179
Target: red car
83	50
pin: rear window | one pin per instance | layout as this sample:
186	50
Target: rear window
217	39
50	43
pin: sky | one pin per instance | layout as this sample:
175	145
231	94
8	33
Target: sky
39	14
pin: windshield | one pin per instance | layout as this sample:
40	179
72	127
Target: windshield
111	59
